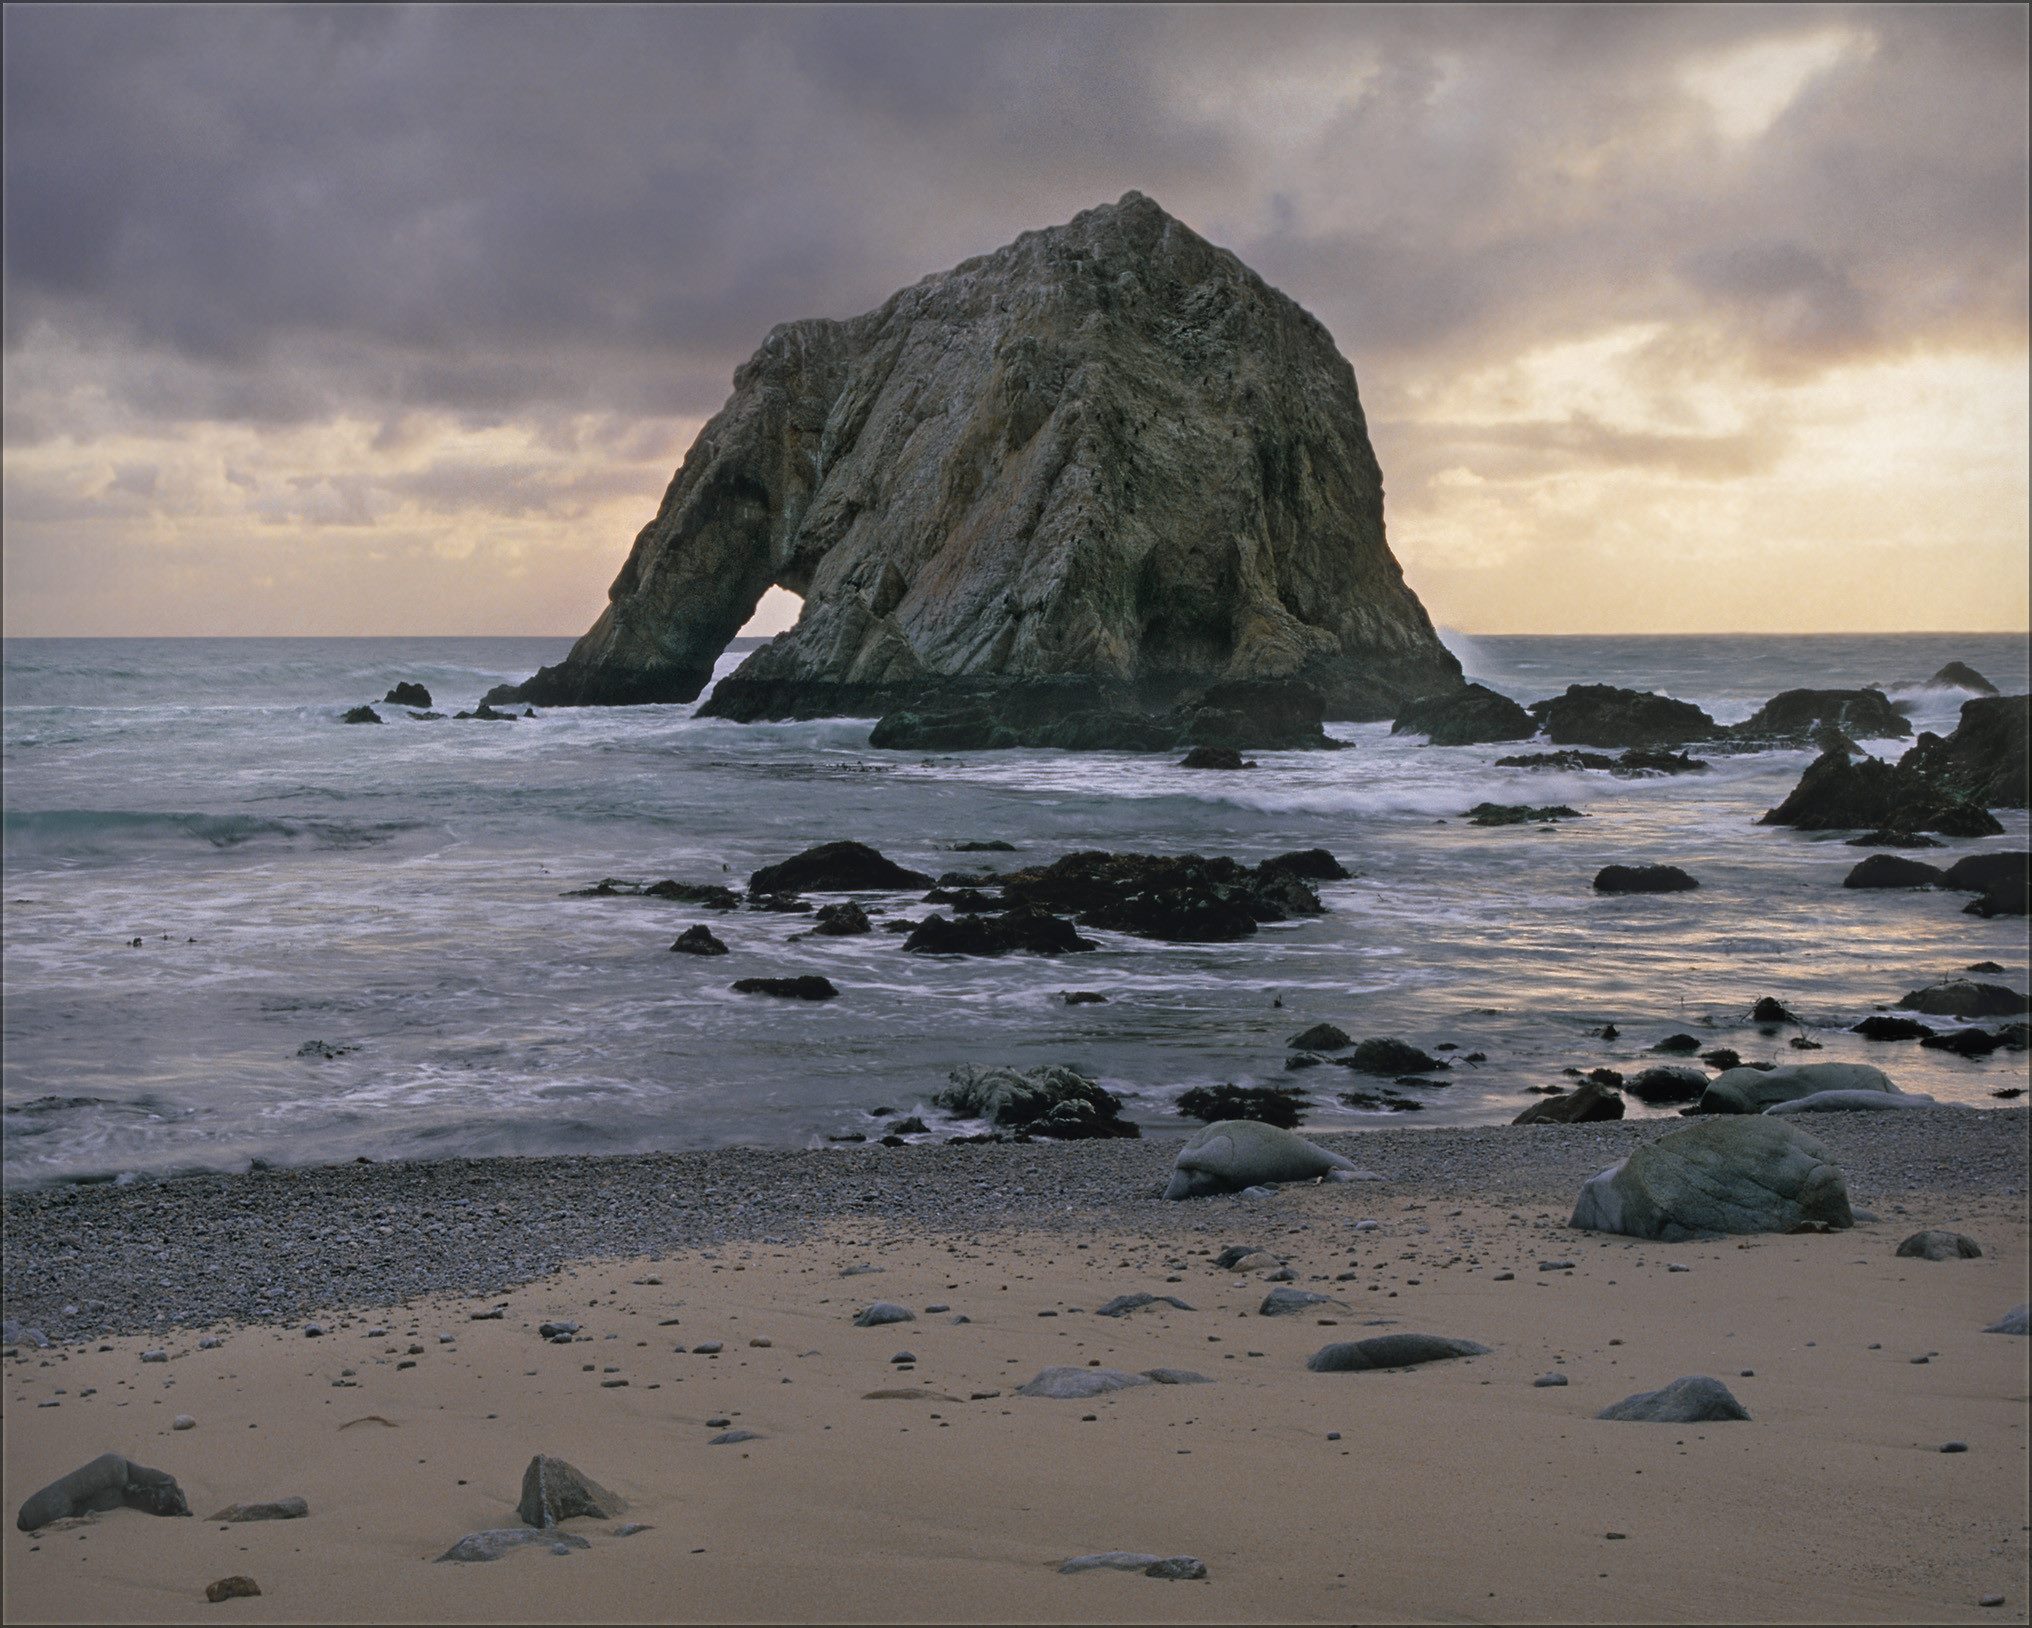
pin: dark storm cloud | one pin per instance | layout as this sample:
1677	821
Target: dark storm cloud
278	214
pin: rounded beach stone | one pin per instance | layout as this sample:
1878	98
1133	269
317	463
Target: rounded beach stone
1064	1384
1941	1246
2018	1320
884	1311
232	1588
1390	1351
1694	1399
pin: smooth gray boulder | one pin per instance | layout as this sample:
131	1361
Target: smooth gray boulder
1932	1245
1694	1399
1390	1351
1850	1102
2018	1320
884	1311
1735	1175
1232	1154
110	1481
496	1541
965	487
554	1491
1076	1384
1752	1090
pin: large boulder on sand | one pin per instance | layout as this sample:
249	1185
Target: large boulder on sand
1752	1090
1231	1154
1753	1174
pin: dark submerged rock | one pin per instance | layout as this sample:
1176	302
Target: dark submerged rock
1267	1105
1519	813
1894	839
1605	715
1643	879
1307	864
803	988
835	867
1046	1101
1183	899
361	715
1389	1056
1666	1085
698	941
408	694
1469	716
709	895
1879	1027
1965	998
1025	928
1889	871
1592	1102
843	920
1215	757
1320	1037
1795	714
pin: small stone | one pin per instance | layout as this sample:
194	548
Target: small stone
1954	1447
728	1438
232	1588
709	1348
155	1356
276	1509
183	1421
884	1311
1544	1380
904	1356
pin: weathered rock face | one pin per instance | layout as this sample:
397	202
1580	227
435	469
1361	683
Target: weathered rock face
1108	452
1465	717
1985	759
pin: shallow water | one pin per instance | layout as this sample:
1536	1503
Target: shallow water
396	891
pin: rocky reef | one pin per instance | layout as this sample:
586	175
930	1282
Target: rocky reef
1107	456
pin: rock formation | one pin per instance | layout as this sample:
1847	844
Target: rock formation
1108	454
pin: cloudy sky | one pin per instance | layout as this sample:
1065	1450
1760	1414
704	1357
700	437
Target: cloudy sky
397	321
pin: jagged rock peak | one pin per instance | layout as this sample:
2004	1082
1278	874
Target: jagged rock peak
1107	453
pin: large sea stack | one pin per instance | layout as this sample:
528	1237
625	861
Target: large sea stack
1108	461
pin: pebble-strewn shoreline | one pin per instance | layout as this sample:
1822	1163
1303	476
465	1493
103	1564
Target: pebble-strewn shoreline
270	1245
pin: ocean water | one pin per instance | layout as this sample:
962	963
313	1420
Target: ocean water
396	893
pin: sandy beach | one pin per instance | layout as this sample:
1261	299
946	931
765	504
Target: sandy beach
873	1489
